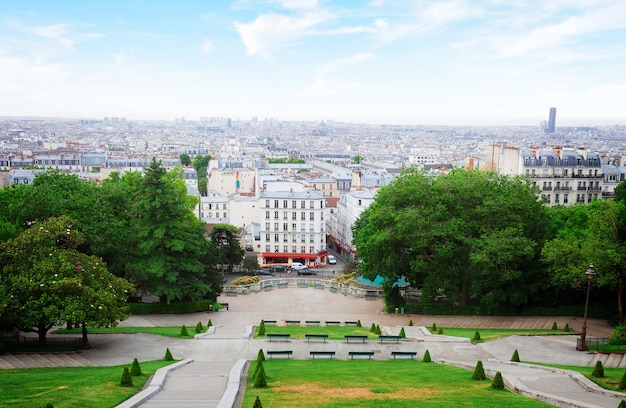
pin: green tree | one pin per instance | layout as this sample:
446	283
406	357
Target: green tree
185	160
469	233
227	246
357	159
200	164
47	281
497	383
135	369
479	371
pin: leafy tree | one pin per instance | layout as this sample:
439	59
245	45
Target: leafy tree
469	233
227	246
47	281
357	159
200	163
185	160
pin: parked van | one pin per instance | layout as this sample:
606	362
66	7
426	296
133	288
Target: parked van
296	266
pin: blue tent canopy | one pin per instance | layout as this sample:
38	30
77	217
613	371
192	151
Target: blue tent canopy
378	281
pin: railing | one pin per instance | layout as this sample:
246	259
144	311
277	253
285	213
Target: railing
330	284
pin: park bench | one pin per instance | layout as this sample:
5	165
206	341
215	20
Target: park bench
230	292
292	322
268	287
287	353
319	286
352	354
333	288
370	296
347	323
312	322
308	337
403	354
332	322
389	338
303	285
224	305
349	337
282	284
276	336
330	354
270	322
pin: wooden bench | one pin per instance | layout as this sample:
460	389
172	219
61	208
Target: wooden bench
351	323
352	354
312	322
268	287
282	284
333	288
276	336
308	337
224	305
270	322
303	285
403	354
332	322
330	354
292	322
230	292
349	337
389	338
319	286
287	353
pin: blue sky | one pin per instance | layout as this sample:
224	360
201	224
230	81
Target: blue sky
448	62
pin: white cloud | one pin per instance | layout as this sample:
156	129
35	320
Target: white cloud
207	46
120	57
323	85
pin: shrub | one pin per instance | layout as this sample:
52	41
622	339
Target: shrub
566	327
402	333
426	357
135	369
260	356
554	326
199	328
183	331
373	328
497	383
259	378
168	355
476	336
257	403
261	329
378	330
411	322
515	356
433	328
245	280
479	372
440	330
618	335
622	382
127	381
598	371
358	323
209	324
622	404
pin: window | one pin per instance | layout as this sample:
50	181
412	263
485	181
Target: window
302	249
276	237
293	216
275	203
293	249
284	203
210	206
303	216
223	206
267	226
285	226
276	248
303	239
294	227
285	248
312	216
225	215
267	237
267	248
293	204
360	203
302	204
267	215
284	215
312	239
556	199
267	203
311	227
275	226
565	200
275	215
311	249
312	204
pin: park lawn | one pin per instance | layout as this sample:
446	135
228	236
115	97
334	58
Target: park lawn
369	383
493	334
334	332
610	381
71	386
169	331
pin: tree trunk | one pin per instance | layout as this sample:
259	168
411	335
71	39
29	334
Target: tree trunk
41	332
464	294
620	306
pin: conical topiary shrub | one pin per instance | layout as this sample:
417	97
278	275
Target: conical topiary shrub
135	369
127	380
479	372
261	329
199	328
378	332
566	327
259	378
183	331
497	383
598	371
373	328
515	356
257	367
622	382
440	330
358	323
402	333
168	355
209	323
433	328
476	336
622	404
260	356
554	326
426	357
411	322
257	403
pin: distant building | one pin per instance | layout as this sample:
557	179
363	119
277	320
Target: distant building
551	121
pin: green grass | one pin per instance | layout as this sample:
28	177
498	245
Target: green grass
492	334
71	386
610	381
334	332
374	384
169	331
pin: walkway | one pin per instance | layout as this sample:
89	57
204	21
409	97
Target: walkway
203	382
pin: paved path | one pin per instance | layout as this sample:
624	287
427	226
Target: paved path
203	382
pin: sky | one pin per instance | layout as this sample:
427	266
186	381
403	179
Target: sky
446	62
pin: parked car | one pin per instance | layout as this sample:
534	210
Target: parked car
266	272
248	247
296	266
278	269
305	271
332	260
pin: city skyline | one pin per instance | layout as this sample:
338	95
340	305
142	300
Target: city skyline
397	62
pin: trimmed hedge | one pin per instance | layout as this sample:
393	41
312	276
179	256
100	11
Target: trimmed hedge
167	308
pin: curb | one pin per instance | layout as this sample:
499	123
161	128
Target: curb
232	389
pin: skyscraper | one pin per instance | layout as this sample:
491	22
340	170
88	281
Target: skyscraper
551	121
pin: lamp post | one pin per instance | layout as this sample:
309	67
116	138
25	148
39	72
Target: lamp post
78	269
591	273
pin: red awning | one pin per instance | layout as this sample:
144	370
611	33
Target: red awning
287	255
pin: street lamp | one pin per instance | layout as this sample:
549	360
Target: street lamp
591	273
78	269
